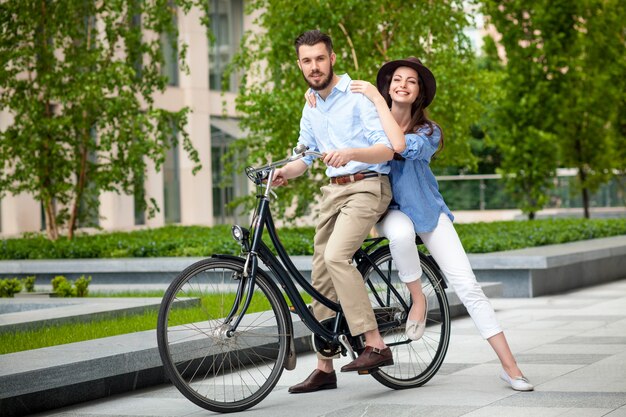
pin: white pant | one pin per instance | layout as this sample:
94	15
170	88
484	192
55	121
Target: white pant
445	246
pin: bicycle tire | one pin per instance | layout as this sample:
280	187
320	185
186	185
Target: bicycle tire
415	361
216	372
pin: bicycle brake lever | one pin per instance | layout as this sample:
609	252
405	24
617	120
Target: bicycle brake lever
271	191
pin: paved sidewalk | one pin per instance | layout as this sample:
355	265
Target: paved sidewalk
571	346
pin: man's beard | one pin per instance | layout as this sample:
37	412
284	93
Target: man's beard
325	82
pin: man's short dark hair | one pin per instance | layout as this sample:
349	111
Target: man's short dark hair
313	37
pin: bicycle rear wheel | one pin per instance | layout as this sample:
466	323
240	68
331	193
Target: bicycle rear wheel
415	361
215	371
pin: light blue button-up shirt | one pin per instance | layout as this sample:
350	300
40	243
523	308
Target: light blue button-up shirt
344	120
414	187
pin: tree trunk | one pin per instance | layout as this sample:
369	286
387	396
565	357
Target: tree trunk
80	187
586	202
585	191
52	230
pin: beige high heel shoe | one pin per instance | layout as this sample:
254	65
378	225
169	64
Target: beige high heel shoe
415	329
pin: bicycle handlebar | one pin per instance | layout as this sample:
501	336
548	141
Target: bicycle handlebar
261	173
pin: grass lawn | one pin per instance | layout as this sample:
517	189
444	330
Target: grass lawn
76	332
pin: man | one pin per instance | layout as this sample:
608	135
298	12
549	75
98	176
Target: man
344	126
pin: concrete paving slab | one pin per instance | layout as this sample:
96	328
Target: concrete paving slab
52	311
573	348
537	411
573	382
620	412
578	400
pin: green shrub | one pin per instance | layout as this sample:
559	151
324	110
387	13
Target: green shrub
82	285
62	287
9	287
509	235
65	289
29	283
56	281
205	241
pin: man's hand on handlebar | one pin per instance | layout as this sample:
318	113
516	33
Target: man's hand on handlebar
338	158
279	178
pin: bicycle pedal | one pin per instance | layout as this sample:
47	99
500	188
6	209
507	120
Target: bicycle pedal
364	372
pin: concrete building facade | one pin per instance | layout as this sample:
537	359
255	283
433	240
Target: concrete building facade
182	197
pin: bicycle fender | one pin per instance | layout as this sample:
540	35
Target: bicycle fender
428	259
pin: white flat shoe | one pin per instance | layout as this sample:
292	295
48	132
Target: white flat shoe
415	329
519	383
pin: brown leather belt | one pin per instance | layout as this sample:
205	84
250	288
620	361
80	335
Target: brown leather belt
346	179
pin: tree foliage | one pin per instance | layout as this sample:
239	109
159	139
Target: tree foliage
563	87
78	77
365	35
520	122
593	89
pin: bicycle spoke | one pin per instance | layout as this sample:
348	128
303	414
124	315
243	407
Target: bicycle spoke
415	361
216	371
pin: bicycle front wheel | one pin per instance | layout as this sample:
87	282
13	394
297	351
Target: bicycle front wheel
215	370
415	361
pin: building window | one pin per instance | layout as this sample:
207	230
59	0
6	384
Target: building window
134	53
170	52
227	27
140	212
226	185
171	185
42	216
88	207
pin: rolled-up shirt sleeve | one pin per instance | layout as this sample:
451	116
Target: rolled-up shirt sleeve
307	137
372	128
421	145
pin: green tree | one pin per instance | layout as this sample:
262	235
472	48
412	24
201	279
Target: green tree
619	158
79	78
593	69
521	122
564	89
365	35
491	70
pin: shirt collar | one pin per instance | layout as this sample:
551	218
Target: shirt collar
342	85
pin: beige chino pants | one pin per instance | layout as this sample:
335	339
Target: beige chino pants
348	213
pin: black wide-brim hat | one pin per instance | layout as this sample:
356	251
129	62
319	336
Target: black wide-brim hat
428	79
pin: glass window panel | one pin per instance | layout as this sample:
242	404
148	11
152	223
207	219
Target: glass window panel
170	54
226	186
227	28
171	185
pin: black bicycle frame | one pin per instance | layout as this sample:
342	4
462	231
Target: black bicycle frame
285	277
286	273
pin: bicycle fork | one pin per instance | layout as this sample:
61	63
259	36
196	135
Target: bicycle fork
246	286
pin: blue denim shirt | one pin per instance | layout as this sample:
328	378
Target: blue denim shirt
415	189
344	120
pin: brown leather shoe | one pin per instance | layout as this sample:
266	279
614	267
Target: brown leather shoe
370	358
318	380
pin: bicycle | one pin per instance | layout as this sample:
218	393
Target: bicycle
225	332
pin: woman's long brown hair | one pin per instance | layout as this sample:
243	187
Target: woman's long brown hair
419	117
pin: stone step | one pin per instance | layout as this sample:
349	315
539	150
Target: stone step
57	376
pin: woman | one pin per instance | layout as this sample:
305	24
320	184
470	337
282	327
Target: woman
405	88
